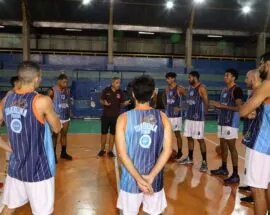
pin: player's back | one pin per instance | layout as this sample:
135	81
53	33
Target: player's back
144	139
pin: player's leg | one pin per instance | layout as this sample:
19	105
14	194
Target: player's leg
112	136
105	124
54	139
259	196
179	144
8	211
204	166
234	155
129	203
156	203
189	158
63	140
268	198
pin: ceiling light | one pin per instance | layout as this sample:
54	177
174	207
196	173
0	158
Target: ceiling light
199	1
246	9
169	5
73	29
2	26
214	36
86	2
147	33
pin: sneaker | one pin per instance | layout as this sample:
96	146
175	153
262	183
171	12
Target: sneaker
186	161
220	171
204	167
111	154
248	199
66	156
245	189
234	179
178	156
101	153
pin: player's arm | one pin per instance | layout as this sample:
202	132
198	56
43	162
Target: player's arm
166	152
262	93
45	107
181	91
4	145
103	100
51	93
122	154
1	111
164	97
204	95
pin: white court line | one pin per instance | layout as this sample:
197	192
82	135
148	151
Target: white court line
210	141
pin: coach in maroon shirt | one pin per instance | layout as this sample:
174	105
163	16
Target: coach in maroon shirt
111	98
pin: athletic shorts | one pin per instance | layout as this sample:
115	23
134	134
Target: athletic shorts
130	203
108	123
40	195
176	123
64	121
257	169
227	133
194	129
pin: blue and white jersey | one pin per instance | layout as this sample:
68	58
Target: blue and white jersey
61	101
228	117
257	136
195	106
173	100
32	157
144	139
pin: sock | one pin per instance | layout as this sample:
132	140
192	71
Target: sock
224	165
64	149
179	151
190	154
235	170
204	156
54	148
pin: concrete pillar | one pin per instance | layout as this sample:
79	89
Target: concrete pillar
188	49
25	32
261	44
110	37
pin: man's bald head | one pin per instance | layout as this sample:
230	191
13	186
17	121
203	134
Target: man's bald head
253	79
28	72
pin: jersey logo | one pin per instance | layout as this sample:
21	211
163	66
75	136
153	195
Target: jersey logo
191	93
63	97
225	95
16	126
145	141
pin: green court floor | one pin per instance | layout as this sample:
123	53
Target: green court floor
93	127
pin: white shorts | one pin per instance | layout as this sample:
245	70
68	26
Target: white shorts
39	194
64	121
227	133
130	203
257	169
176	123
194	129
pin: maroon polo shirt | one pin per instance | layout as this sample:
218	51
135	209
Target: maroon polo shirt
115	99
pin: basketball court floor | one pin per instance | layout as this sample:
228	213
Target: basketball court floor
87	185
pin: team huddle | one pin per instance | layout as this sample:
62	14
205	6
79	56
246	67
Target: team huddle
143	136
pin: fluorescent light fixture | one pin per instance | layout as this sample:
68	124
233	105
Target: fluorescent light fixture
169	5
246	9
2	26
215	36
73	29
147	33
199	1
86	2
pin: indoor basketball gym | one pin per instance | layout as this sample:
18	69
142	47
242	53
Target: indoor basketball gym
93	41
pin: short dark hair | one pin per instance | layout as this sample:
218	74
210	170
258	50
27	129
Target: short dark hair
13	80
233	72
143	88
265	57
27	71
195	74
115	79
171	75
62	76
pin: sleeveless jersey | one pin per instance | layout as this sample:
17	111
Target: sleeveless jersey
144	141
173	100
228	117
247	122
195	108
32	157
61	101
258	135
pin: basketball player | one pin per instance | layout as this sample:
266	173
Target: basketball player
62	106
31	165
197	107
172	100
111	98
228	124
253	81
144	145
256	139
